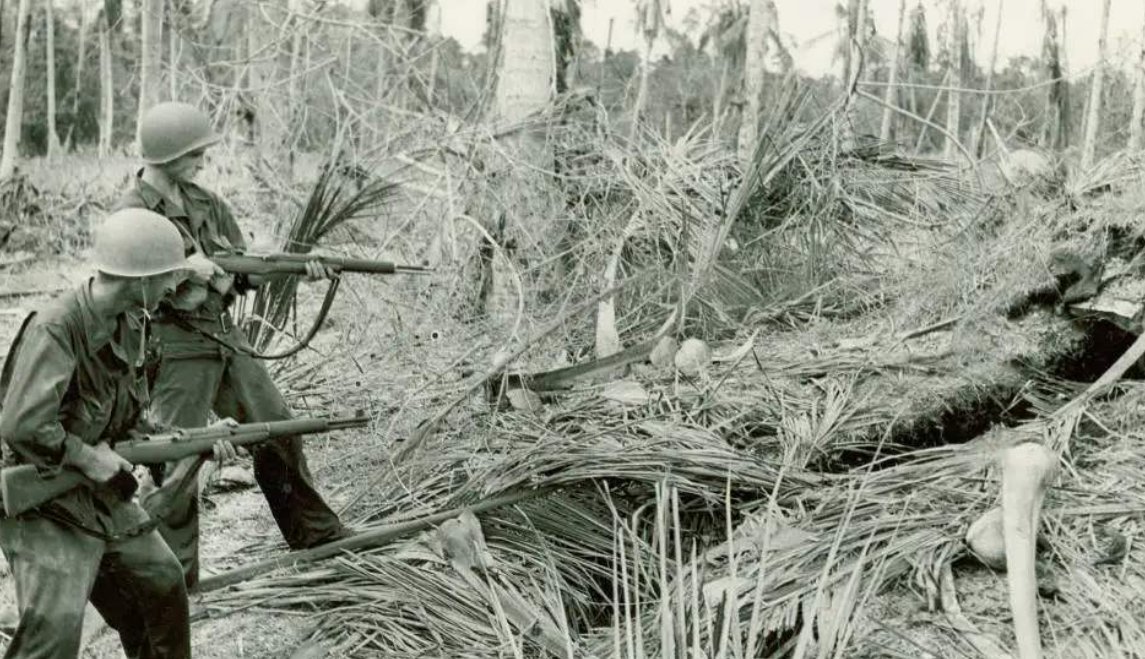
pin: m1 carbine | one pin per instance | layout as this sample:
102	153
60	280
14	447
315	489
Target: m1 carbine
24	488
287	263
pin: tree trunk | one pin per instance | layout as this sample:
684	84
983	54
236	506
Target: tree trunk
761	21
15	118
1093	121
649	21
1135	128
77	90
106	90
174	50
50	32
988	100
1064	131
151	56
524	87
433	27
954	98
885	130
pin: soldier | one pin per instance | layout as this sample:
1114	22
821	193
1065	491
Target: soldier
73	381
204	365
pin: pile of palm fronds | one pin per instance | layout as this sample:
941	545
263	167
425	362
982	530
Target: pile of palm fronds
704	515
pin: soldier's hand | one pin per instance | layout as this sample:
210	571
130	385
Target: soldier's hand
101	464
203	268
223	451
315	270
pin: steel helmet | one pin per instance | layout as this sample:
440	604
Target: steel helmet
136	242
170	130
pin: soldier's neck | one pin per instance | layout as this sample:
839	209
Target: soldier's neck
159	180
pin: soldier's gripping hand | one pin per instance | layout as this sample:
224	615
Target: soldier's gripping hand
315	270
99	463
203	269
223	451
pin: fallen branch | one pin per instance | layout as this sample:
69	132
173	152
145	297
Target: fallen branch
366	540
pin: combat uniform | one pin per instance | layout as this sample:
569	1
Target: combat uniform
196	375
73	377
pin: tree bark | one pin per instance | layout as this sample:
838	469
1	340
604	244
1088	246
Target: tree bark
15	117
760	23
174	49
524	87
885	130
649	20
151	55
1093	120
1135	127
954	98
50	32
106	90
77	90
988	101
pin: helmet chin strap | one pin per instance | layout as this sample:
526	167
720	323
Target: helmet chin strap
145	324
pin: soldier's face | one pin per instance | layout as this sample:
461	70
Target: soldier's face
185	167
155	289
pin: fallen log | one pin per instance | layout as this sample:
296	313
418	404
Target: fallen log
366	540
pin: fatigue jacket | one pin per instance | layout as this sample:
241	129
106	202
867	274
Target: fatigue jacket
73	377
208	227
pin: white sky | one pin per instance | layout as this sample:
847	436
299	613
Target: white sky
802	21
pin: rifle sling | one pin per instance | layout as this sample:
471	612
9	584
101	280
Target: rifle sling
62	517
327	302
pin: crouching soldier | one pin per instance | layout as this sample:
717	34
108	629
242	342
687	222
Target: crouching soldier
205	363
73	381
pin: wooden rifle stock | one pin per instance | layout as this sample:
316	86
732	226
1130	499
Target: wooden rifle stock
295	264
24	488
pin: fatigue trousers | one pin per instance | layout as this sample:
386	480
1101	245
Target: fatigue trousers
135	584
195	376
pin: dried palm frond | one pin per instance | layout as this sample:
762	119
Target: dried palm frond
334	200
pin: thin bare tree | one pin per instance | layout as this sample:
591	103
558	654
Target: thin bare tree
151	55
957	32
761	23
892	77
50	78
15	118
988	101
1093	113
649	18
106	23
77	89
1135	127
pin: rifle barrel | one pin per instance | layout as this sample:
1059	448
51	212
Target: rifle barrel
289	263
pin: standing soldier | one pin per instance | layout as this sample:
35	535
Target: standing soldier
73	382
204	363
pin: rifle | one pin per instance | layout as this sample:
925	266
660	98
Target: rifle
24	488
284	263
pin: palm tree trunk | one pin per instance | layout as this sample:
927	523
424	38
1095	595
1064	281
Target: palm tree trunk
954	98
1135	127
988	100
761	21
50	32
151	55
15	118
650	26
77	90
1093	120
106	91
524	87
892	78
